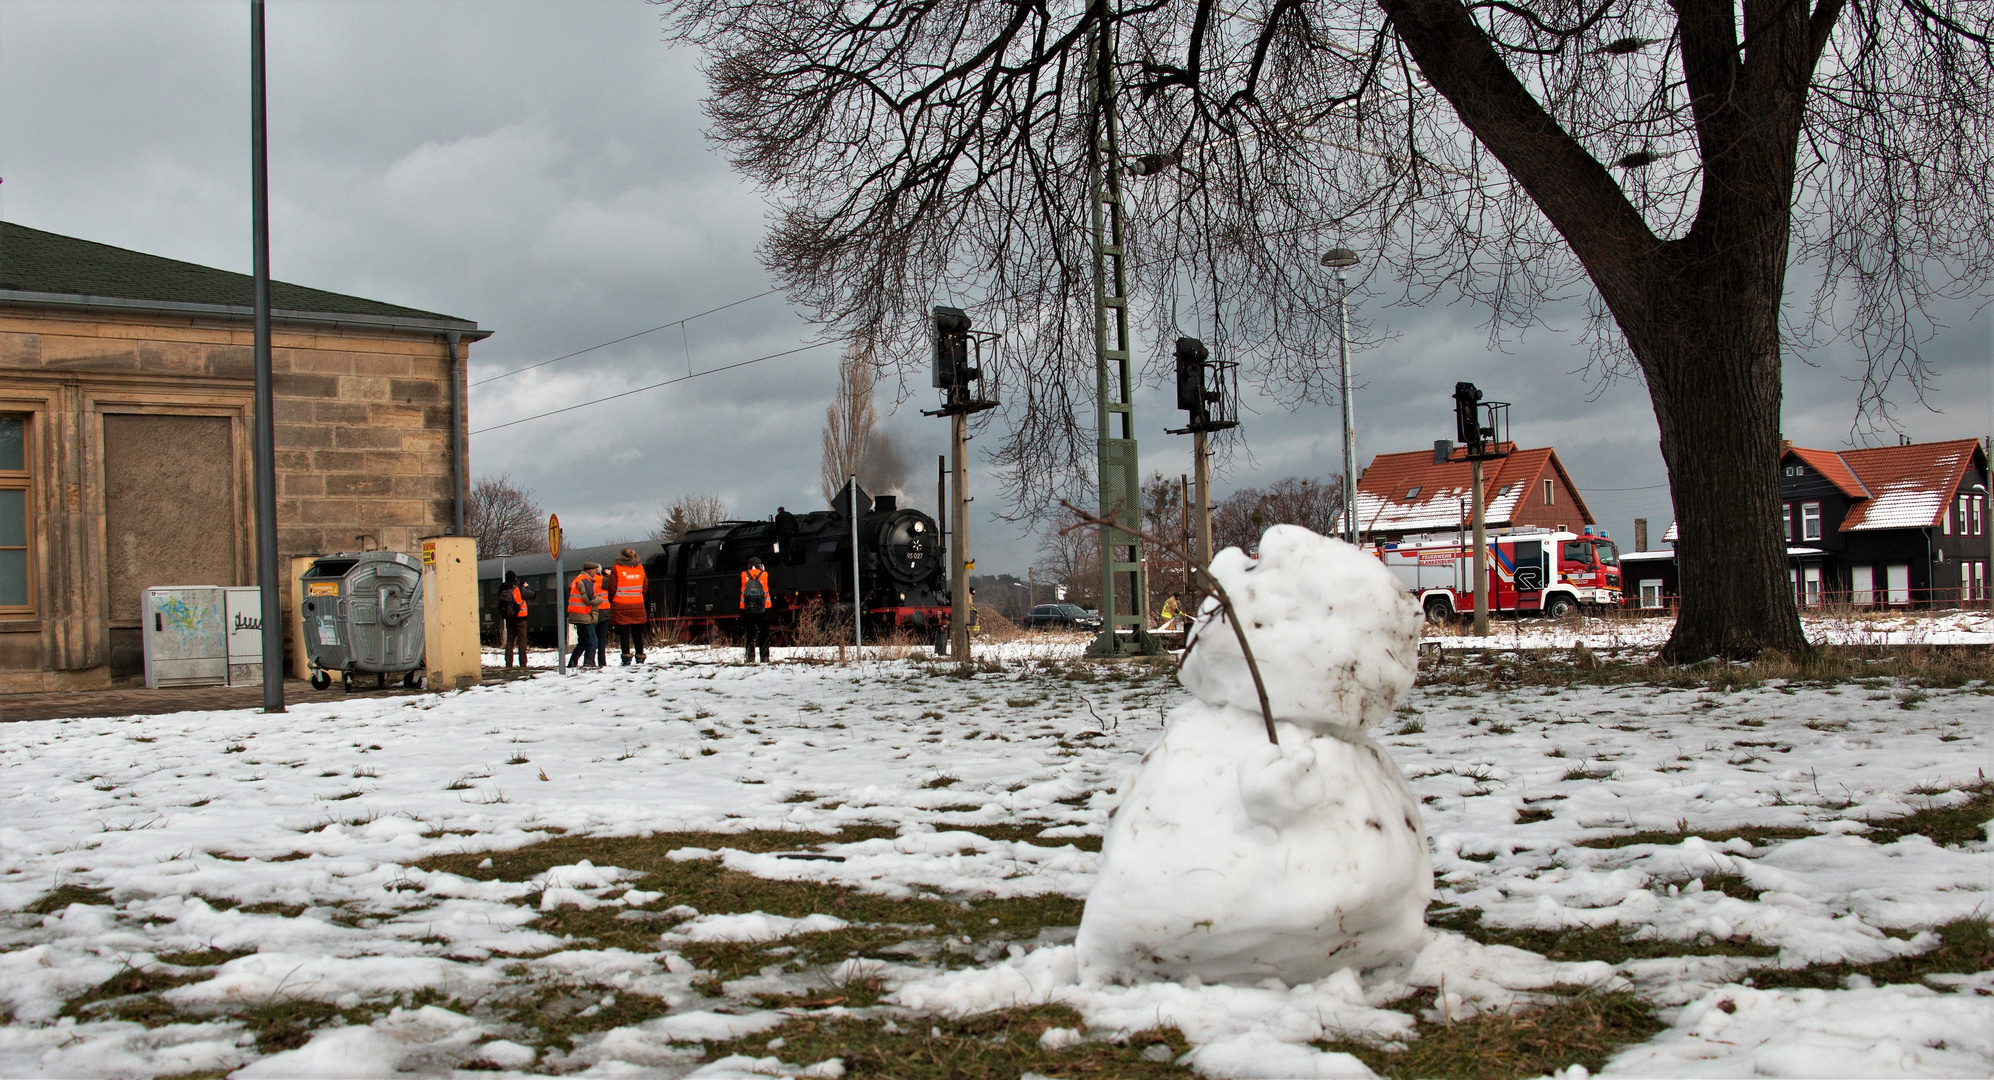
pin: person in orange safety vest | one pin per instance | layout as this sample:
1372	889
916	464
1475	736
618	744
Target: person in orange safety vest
755	600
627	612
513	595
584	597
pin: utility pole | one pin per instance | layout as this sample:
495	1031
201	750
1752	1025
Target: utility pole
1341	259
954	374
1481	553
1184	529
1481	444
1206	391
959	619
271	613
1120	474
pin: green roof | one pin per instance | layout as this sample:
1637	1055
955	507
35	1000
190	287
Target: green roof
44	262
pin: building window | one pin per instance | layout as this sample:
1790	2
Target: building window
1810	521
1862	585
1786	521
1979	515
1547	493
16	591
1810	585
1412	492
1651	593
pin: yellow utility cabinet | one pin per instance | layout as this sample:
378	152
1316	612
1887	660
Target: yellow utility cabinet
450	611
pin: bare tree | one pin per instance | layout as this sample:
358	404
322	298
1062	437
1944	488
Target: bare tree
850	423
1070	557
504	518
1240	518
688	512
1674	155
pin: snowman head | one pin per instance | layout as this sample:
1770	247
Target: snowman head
1335	635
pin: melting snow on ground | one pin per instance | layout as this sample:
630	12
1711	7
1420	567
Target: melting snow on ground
290	843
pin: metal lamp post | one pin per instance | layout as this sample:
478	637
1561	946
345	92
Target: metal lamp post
1341	259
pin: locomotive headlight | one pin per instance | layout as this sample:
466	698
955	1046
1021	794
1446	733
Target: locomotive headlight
920	526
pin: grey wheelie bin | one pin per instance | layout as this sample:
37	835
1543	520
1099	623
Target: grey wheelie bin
363	615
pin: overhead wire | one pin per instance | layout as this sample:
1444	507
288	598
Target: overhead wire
653	386
626	337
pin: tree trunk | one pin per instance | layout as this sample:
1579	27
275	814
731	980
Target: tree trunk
1710	351
1700	313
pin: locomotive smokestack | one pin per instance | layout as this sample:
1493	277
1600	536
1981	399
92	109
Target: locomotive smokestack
882	503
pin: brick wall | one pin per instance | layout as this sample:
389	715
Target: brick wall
362	433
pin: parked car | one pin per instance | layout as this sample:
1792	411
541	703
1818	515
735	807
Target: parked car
1072	616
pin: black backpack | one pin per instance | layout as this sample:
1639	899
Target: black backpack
753	597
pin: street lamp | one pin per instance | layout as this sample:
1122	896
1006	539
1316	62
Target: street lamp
1341	259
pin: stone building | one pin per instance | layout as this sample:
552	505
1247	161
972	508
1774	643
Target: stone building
126	433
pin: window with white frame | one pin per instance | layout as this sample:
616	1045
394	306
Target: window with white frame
1810	521
1786	520
1651	593
17	595
1548	500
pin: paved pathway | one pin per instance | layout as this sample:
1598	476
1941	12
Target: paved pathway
138	701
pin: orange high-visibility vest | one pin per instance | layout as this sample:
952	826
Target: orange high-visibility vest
581	602
602	590
516	602
761	575
630	582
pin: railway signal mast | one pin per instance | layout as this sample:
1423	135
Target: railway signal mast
958	374
1120	485
1476	423
1207	390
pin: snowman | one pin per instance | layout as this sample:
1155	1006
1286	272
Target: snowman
1231	858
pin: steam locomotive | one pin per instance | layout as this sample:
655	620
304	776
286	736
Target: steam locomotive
695	580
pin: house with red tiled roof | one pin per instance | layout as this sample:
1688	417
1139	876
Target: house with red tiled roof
1401	496
1888	525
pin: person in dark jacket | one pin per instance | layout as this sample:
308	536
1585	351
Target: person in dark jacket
785	537
755	599
513	595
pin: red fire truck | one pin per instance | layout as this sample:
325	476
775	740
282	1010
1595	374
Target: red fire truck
1530	570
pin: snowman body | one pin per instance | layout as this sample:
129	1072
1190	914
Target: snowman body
1232	859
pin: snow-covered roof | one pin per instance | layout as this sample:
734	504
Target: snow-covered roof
1669	537
1402	493
1647	556
1895	487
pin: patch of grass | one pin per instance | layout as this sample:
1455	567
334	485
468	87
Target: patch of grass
1028	833
1608	943
556	1014
1965	946
1960	823
1756	835
129	982
1588	772
988	1046
878	922
1870	666
1580	1029
285	1023
517	759
942	781
1414	726
1530	815
55	900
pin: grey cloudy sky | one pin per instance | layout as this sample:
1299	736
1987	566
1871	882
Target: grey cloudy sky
539	167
